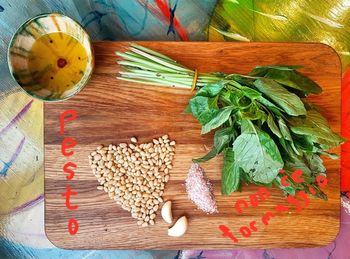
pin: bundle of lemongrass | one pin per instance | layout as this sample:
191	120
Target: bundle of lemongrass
262	124
143	65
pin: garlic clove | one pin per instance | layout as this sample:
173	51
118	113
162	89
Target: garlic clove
166	212
179	227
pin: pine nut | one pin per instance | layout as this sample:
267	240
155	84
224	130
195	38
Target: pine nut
134	175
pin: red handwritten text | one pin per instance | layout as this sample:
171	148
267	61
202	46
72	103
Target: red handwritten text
299	201
69	143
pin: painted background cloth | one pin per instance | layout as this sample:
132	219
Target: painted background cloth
21	154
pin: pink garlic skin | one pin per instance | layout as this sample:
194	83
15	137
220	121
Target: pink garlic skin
199	190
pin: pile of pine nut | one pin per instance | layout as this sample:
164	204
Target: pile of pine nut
134	175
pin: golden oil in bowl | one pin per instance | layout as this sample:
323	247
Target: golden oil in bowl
51	57
57	61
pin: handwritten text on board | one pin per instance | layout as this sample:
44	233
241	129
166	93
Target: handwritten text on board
261	195
66	149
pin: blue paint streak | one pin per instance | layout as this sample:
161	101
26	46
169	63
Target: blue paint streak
172	16
177	256
266	255
1	9
335	246
199	256
7	165
125	13
143	24
122	14
91	17
102	2
344	194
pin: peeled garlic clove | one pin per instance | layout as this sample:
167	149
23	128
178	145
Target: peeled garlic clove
179	227
166	212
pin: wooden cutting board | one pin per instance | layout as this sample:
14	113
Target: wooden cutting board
112	111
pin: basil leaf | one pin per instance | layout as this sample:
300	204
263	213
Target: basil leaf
225	98
298	164
222	138
284	129
188	109
286	189
207	116
286	134
289	102
288	76
276	110
220	118
304	143
273	127
257	154
211	90
251	93
244	102
230	176
315	126
315	163
253	112
333	156
324	144
247	91
319	193
294	79
289	151
235	97
213	102
262	70
211	154
243	80
202	109
199	104
309	179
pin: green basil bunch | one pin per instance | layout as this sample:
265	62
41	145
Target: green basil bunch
262	126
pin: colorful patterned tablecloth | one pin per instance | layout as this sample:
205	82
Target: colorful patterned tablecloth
21	118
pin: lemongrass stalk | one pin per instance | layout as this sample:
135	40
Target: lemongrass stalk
150	78
152	52
160	61
129	64
154	82
143	65
203	77
144	58
157	54
184	79
145	76
138	71
144	62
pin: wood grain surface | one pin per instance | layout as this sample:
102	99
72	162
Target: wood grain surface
112	111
